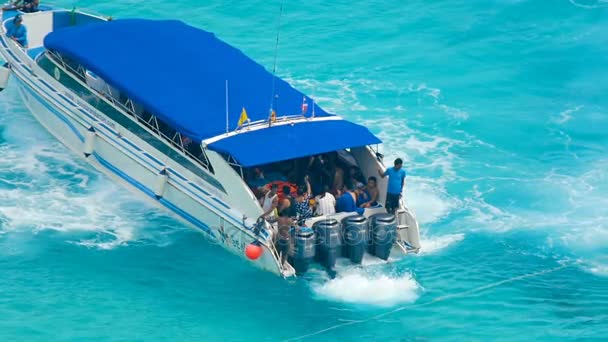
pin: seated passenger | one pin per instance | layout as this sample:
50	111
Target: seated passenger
362	195
372	193
30	6
326	202
18	32
27	6
303	210
347	202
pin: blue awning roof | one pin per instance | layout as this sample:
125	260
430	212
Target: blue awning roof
178	73
277	143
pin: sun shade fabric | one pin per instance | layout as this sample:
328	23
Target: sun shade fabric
178	73
278	143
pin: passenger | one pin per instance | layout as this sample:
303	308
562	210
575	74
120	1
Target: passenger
257	178
287	208
372	193
396	182
303	210
27	6
18	32
269	203
317	174
354	177
338	183
347	202
362	195
30	6
326	202
282	243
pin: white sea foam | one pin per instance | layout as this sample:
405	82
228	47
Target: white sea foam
434	244
566	115
590	4
45	187
599	269
357	287
430	201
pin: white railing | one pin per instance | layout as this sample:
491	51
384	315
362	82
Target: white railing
128	110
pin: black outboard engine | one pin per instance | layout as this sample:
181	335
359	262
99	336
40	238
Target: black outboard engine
383	229
355	237
328	241
302	252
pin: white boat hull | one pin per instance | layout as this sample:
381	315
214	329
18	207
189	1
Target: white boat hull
114	142
129	171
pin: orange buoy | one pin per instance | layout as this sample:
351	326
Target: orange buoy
253	251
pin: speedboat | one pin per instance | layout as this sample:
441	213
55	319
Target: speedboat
182	119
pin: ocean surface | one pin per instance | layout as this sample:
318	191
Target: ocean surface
500	111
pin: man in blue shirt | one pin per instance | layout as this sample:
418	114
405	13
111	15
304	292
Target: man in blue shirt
18	32
347	201
396	181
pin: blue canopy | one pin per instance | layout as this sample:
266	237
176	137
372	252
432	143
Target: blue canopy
277	143
179	73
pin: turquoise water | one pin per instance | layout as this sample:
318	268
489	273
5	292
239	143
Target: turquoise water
499	109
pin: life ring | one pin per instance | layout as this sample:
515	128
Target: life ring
280	184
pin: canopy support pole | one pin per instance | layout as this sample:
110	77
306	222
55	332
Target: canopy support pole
227	127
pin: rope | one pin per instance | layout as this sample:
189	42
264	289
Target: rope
436	300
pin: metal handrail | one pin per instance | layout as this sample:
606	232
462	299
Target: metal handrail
55	58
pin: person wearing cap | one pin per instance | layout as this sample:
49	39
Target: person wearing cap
362	195
18	32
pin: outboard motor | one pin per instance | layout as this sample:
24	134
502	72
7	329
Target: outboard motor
302	252
383	229
328	241
355	237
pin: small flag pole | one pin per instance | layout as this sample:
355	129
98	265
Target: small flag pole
227	126
274	66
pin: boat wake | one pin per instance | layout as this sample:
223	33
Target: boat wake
361	287
434	244
44	187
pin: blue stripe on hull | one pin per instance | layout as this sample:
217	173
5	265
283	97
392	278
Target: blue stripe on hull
51	109
70	125
199	224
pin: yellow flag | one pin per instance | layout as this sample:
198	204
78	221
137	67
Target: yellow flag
243	117
273	116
